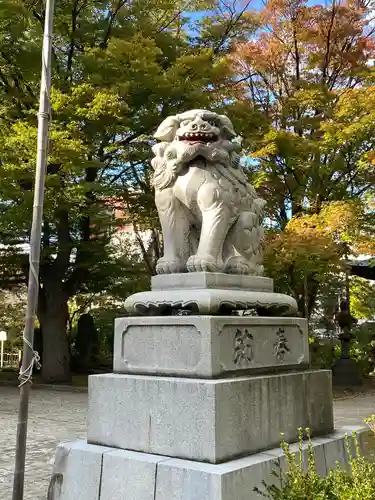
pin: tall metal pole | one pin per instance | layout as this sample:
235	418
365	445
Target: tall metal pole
29	356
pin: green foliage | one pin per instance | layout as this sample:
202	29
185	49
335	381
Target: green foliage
323	354
362	301
103	309
12	315
363	348
118	69
300	480
104	317
311	152
86	346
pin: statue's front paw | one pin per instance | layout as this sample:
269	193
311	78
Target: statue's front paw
169	266
238	265
202	263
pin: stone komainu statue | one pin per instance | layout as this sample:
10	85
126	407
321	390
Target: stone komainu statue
210	215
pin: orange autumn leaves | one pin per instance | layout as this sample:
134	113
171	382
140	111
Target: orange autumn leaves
300	41
316	243
308	71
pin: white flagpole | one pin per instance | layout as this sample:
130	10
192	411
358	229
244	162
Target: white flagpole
30	357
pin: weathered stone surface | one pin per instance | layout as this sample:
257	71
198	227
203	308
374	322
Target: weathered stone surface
139	476
206	420
128	476
182	480
77	471
203	280
209	346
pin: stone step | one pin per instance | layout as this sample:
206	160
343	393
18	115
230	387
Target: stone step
86	472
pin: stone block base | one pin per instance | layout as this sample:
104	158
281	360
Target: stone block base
87	472
207	420
209	346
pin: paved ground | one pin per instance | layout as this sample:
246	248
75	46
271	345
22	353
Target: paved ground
57	416
54	416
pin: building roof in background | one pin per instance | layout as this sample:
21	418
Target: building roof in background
363	267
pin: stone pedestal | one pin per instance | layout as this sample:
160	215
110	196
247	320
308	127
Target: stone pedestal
196	403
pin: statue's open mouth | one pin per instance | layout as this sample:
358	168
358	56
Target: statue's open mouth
198	137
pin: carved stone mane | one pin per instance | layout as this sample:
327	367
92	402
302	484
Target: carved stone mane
176	149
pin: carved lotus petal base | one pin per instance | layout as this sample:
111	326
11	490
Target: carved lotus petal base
209	301
210	293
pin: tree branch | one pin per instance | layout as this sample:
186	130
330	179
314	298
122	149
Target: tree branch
328	44
69	63
111	19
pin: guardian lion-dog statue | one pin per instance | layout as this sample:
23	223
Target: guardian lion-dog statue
209	213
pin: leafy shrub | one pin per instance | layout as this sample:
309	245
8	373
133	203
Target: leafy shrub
323	354
86	344
301	482
362	351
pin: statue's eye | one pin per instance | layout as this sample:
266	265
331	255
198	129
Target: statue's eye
212	122
185	122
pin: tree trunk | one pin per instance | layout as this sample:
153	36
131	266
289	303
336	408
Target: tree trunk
53	317
306	297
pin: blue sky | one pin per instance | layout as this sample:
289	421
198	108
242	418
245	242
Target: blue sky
257	4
